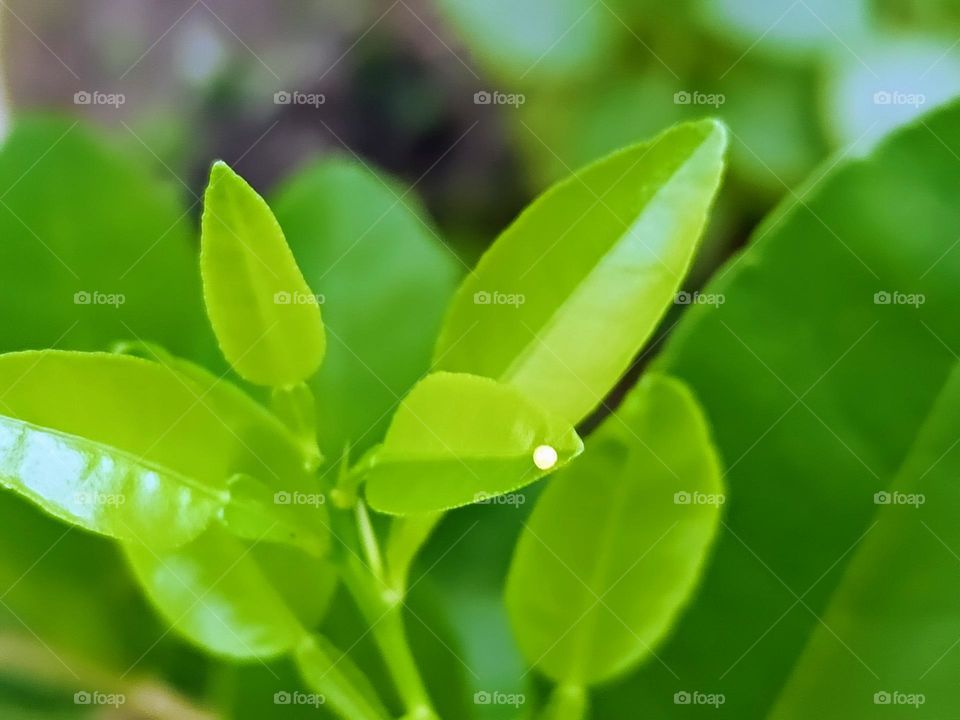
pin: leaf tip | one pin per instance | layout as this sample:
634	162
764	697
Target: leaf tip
219	169
716	129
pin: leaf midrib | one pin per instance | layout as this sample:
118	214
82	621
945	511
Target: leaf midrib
557	315
110	450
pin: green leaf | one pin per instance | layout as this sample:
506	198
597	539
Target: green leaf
233	598
456	439
616	542
257	511
103	489
386	277
83	222
817	388
264	314
122	446
280	456
593	263
891	625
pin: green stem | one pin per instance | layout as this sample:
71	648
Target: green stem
371	549
567	702
383	609
381	606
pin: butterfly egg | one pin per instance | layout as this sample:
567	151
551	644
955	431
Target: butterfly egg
544	457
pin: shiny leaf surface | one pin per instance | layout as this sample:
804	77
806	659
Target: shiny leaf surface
457	439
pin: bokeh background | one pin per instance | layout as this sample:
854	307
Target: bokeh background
113	111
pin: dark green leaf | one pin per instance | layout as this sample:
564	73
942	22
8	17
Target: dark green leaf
889	633
94	247
816	373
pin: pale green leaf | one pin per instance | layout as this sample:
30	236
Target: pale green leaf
591	265
364	242
458	438
219	593
257	511
103	489
126	447
616	542
266	318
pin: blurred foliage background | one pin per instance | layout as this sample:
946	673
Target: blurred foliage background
473	107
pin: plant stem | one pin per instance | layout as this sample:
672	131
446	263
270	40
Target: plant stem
371	549
381	606
383	609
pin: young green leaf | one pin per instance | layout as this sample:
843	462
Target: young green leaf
125	447
266	318
458	438
218	593
278	452
366	244
256	511
568	294
103	489
616	542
